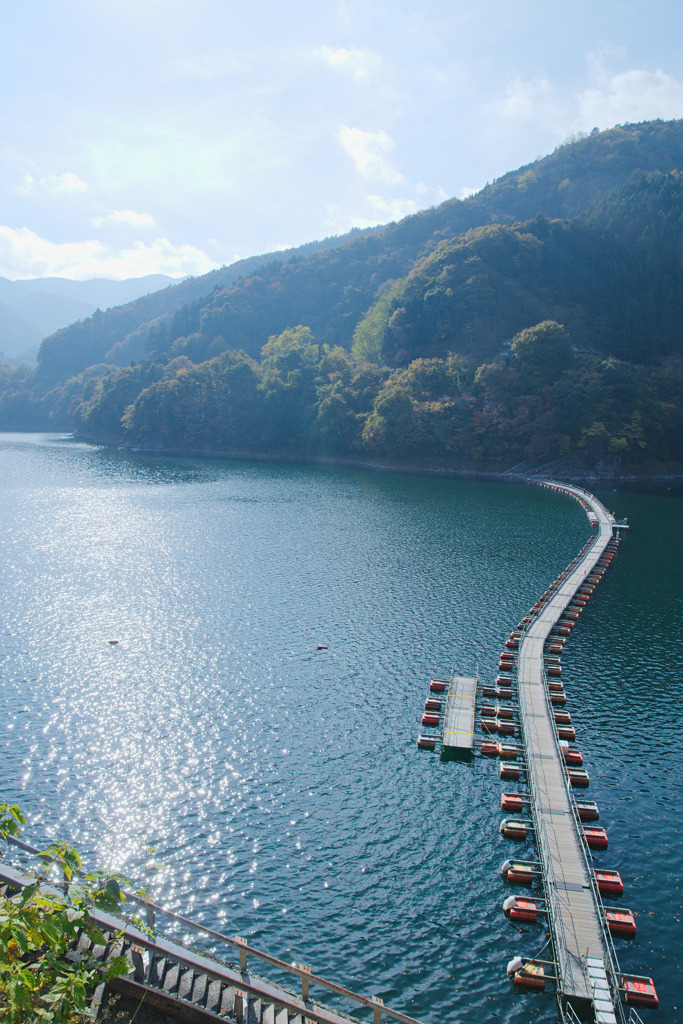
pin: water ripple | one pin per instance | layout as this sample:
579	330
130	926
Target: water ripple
274	790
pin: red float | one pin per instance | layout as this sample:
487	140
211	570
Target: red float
512	802
595	837
639	991
587	810
521	908
620	923
609	883
432	704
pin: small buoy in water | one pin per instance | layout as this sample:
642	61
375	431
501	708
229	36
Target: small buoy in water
321	647
112	641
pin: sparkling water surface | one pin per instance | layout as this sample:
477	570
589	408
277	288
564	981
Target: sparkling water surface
273	790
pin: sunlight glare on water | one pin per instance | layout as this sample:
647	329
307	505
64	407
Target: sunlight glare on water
274	790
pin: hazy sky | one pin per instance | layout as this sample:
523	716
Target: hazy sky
145	136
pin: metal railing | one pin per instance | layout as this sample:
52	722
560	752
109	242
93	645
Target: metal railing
252	984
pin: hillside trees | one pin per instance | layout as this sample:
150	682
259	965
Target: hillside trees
333	288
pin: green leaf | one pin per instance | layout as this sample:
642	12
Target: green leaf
112	886
116	966
95	935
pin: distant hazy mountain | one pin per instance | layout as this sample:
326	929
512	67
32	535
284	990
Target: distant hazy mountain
99	291
30	310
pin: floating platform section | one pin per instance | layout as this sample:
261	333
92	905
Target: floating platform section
457	740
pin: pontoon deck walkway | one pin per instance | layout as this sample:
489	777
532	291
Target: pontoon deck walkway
575	919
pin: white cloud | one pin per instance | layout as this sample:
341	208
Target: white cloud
392	209
467	191
359	64
378	210
634	95
525	100
24	254
607	99
52	184
127	217
369	151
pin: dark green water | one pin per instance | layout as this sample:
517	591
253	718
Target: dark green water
279	785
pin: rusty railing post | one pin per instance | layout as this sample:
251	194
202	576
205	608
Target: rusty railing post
377	1005
304	980
242	943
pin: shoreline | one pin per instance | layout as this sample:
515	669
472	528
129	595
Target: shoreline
658	481
662	482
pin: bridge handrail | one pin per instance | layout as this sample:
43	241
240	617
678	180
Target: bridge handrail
299	970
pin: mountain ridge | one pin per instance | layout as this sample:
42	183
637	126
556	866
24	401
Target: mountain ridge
465	337
353	273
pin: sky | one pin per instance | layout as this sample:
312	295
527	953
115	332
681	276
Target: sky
141	136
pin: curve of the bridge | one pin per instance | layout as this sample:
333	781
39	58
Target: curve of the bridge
575	917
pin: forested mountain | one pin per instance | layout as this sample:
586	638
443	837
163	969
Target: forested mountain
120	334
539	318
612	277
238	307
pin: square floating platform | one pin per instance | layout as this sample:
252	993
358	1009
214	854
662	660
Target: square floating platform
457	739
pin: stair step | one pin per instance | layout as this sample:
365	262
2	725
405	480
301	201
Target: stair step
253	1008
156	978
268	1014
171	978
227	1007
185	983
100	952
98	1000
199	988
139	968
213	996
84	945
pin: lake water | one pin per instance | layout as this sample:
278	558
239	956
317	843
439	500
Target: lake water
280	786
